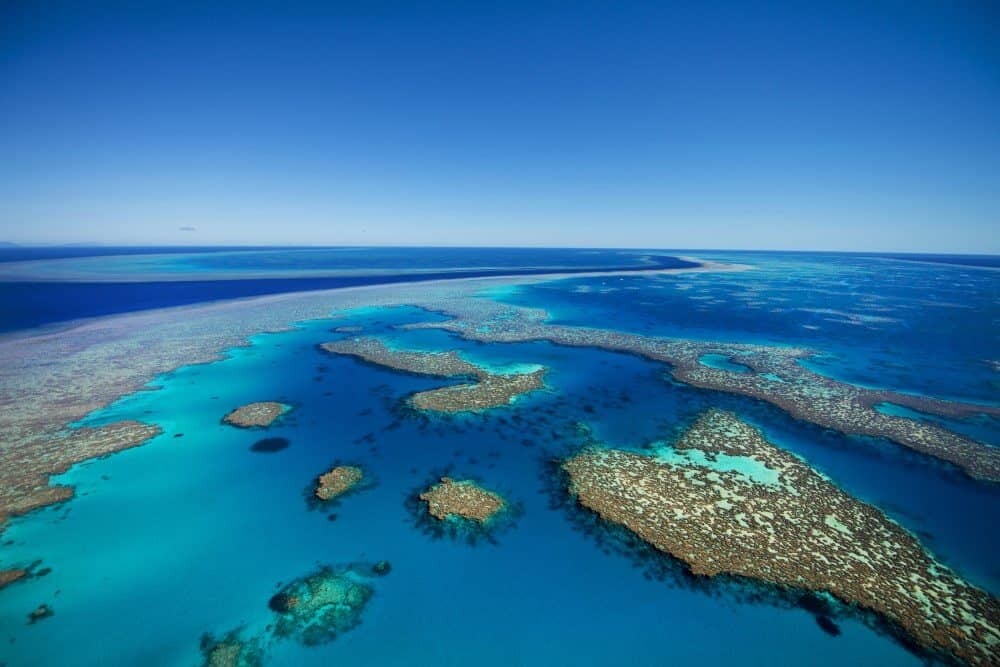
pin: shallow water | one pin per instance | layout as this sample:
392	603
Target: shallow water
195	531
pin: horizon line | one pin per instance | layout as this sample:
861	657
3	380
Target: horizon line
239	246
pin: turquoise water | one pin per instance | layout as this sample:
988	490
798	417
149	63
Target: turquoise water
722	362
194	532
748	467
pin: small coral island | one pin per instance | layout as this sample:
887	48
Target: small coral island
488	391
726	501
256	415
464	499
338	481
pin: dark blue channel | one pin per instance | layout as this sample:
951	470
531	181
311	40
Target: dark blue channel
27	305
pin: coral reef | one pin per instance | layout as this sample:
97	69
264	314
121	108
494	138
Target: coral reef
314	609
40	613
256	415
464	499
338	481
231	651
24	478
49	380
322	605
769	373
10	576
725	501
489	389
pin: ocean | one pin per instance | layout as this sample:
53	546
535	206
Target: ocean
195	531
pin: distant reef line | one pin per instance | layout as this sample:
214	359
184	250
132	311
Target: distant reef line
50	379
48	271
770	373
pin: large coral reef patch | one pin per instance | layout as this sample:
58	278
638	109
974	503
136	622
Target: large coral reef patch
725	501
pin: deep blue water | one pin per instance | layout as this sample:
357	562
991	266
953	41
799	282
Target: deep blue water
192	534
911	326
26	304
16	253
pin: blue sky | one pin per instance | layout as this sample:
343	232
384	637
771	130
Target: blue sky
842	125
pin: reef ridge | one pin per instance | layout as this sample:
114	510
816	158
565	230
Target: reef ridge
489	390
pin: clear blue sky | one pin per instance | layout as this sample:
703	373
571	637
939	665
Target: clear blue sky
843	125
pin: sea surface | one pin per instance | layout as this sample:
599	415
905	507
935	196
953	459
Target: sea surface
45	287
193	532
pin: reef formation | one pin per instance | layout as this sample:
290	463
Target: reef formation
49	380
724	500
462	499
231	651
24	480
10	576
256	415
338	481
40	613
322	605
770	373
489	389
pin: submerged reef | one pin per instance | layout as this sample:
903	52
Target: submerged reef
338	481
314	609
725	501
24	479
231	651
270	445
464	499
40	613
769	373
256	415
324	604
488	391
